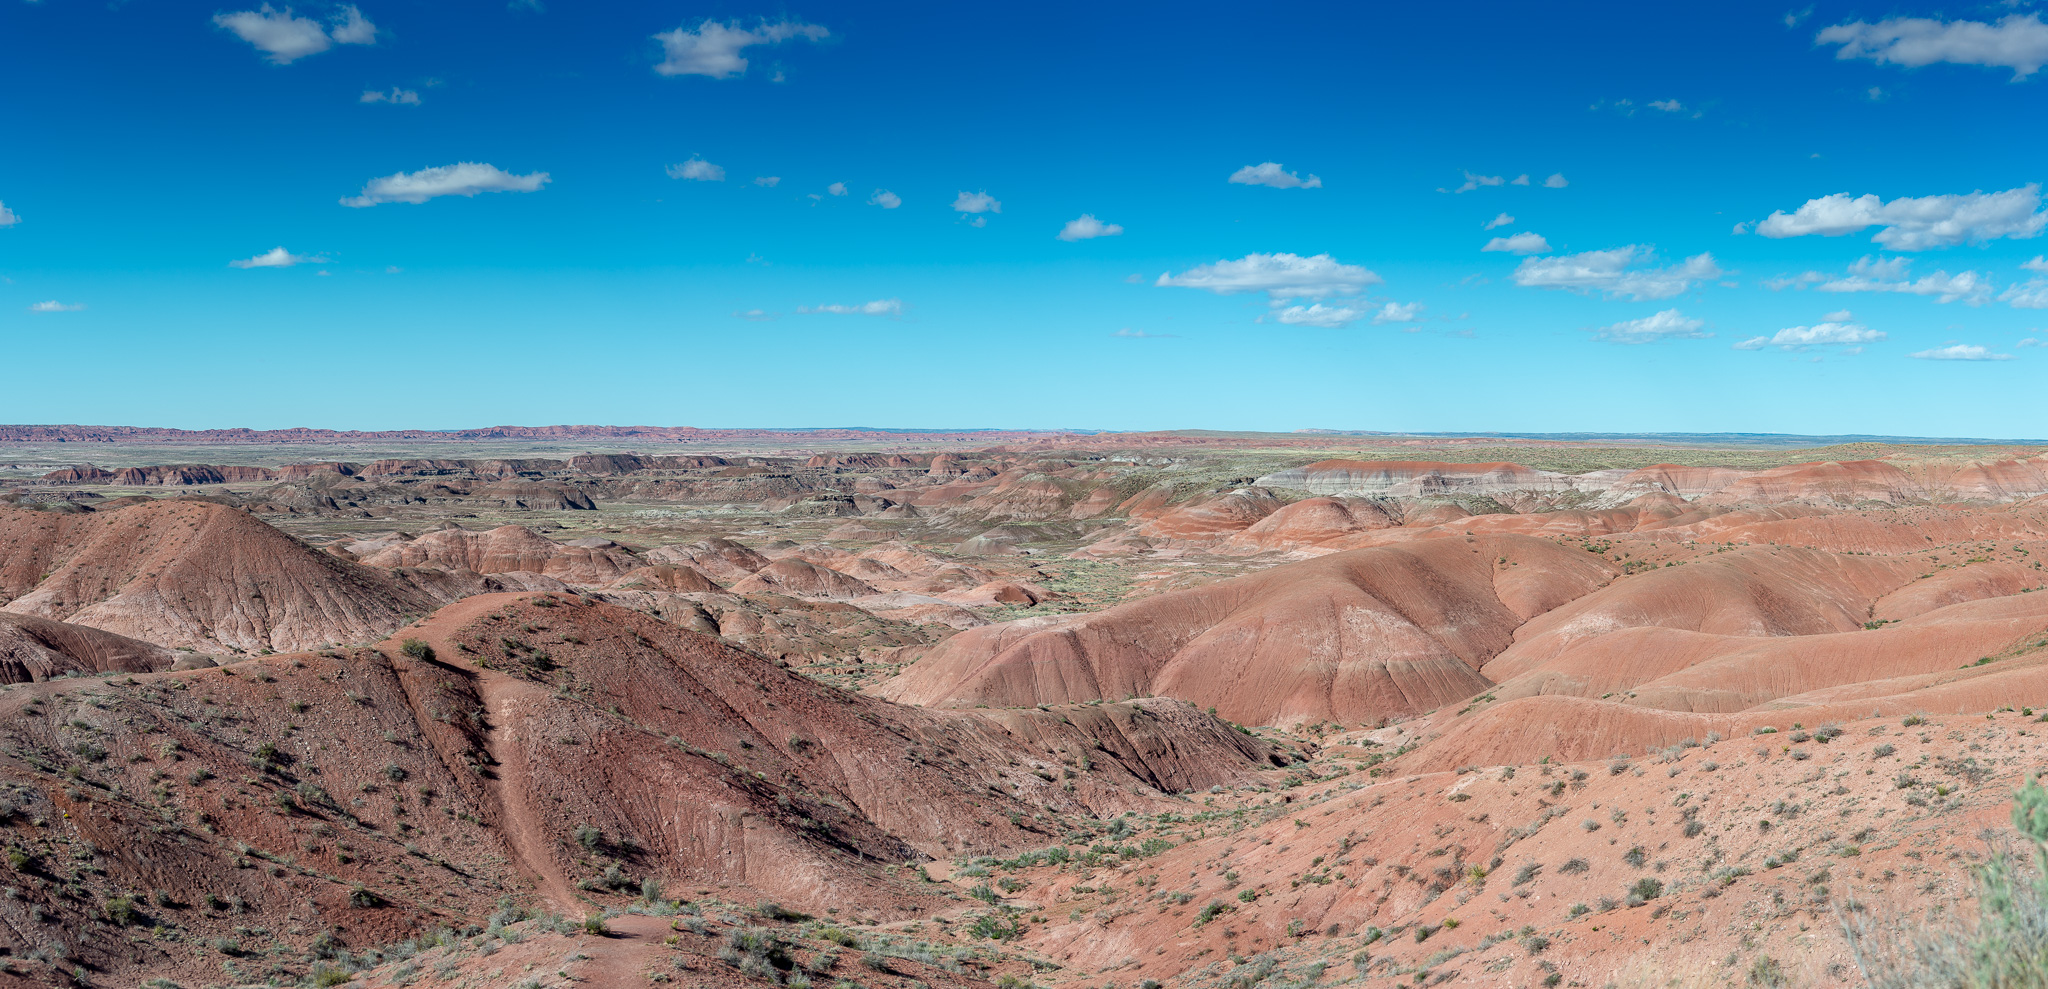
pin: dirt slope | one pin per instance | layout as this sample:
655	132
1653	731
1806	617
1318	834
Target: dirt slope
194	574
1357	636
38	649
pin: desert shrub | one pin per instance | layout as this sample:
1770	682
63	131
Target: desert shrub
121	911
1574	866
1527	873
1765	973
1636	856
2004	945
417	649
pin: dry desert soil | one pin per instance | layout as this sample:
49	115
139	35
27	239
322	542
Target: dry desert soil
554	709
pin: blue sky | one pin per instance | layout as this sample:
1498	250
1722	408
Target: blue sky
411	214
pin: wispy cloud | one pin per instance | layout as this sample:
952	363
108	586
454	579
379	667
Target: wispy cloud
55	306
1398	312
1087	227
1131	334
767	181
1521	243
1610	272
879	307
884	198
277	257
1476	181
1827	333
697	170
462	179
283	37
2029	294
397	96
1318	315
1500	220
1281	276
836	189
1555	181
1917	224
8	217
1873	274
1669	324
1275	176
2016	42
977	202
1961	352
755	315
713	49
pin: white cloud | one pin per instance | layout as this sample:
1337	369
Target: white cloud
1961	352
393	269
1838	316
2038	265
1555	181
354	28
277	257
1870	274
55	306
977	202
2030	294
767	181
1396	312
1916	224
1087	227
698	170
1522	179
978	222
879	307
1668	106
1521	243
405	97
1609	272
1500	220
885	199
8	217
836	189
1475	181
1669	324
1131	334
1318	315
755	315
1798	281
284	37
1273	175
713	49
462	179
2015	42
1828	333
1281	276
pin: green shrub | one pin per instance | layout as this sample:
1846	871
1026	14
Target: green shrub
121	911
2005	945
417	649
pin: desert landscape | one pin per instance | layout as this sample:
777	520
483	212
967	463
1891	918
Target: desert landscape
517	494
1048	709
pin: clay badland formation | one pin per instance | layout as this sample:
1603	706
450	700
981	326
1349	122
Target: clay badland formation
746	708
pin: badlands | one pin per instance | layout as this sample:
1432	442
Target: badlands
614	707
